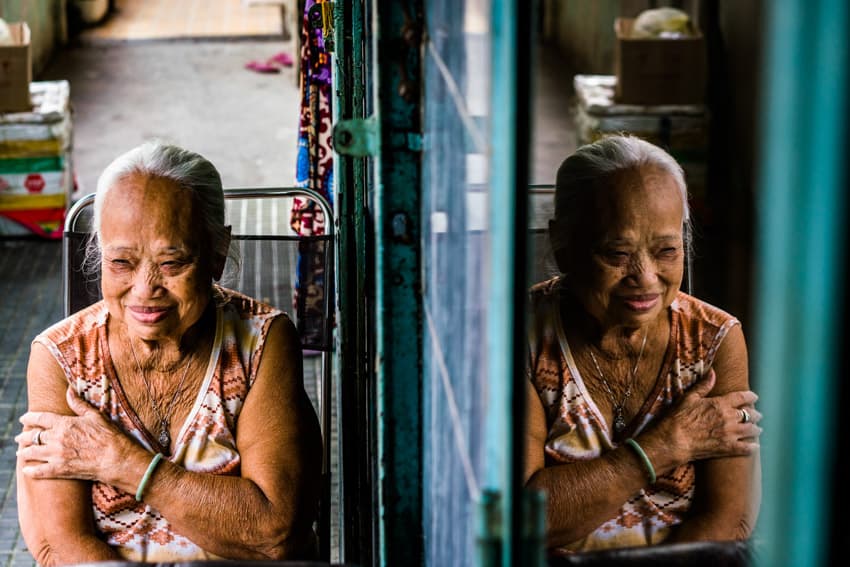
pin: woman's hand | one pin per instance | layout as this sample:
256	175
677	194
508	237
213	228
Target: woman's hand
85	446
701	427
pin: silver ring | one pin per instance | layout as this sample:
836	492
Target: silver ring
36	438
745	416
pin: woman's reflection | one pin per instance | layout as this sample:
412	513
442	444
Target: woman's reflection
641	426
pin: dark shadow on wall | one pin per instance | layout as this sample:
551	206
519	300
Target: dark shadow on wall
734	35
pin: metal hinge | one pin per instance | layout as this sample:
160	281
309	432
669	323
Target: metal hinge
356	137
359	138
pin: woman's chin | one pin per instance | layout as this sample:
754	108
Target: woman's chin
148	331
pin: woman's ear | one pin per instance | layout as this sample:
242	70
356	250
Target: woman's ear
221	256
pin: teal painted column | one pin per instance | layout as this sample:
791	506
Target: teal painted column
396	68
800	280
510	139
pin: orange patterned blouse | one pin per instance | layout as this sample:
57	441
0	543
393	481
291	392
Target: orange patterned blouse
207	440
577	431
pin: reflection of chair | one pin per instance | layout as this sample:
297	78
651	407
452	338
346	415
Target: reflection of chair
270	255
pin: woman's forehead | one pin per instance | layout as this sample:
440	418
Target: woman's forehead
155	209
637	190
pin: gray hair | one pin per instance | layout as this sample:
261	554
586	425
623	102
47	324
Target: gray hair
593	165
187	170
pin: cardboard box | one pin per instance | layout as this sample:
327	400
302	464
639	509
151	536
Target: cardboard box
16	70
653	71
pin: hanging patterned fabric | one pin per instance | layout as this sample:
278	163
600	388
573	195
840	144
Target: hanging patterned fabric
315	157
314	168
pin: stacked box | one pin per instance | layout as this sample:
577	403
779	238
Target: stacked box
658	70
36	176
682	130
16	69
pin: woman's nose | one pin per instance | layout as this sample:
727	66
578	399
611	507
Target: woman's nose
148	280
642	269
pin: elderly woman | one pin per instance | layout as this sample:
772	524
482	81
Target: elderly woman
167	422
641	426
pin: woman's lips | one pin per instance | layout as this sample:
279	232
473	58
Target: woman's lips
148	315
641	302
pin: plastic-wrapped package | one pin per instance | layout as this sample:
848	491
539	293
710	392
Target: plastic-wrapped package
36	176
663	23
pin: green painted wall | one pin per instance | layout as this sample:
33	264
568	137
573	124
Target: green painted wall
46	19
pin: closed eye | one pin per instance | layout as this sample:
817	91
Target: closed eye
616	257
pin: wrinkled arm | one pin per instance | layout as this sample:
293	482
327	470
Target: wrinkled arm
267	512
728	491
699	428
55	515
582	495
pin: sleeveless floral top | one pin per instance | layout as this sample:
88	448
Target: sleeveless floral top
578	432
206	442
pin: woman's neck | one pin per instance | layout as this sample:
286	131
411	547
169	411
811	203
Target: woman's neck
165	355
614	342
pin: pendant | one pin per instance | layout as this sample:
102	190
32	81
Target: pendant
619	421
164	437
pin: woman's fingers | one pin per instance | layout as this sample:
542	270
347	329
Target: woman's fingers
46	466
741	398
40	419
755	415
31	436
717	426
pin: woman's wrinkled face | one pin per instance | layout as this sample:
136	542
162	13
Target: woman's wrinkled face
155	277
631	265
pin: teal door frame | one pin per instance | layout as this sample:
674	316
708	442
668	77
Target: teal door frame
355	392
396	71
520	539
801	274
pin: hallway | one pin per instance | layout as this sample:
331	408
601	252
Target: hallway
151	70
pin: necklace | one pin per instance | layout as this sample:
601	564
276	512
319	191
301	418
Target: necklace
164	438
619	420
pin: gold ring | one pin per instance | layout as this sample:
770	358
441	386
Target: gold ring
36	438
745	416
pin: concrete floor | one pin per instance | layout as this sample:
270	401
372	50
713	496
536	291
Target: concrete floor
193	93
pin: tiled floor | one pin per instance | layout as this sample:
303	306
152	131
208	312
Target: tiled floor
166	19
31	278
